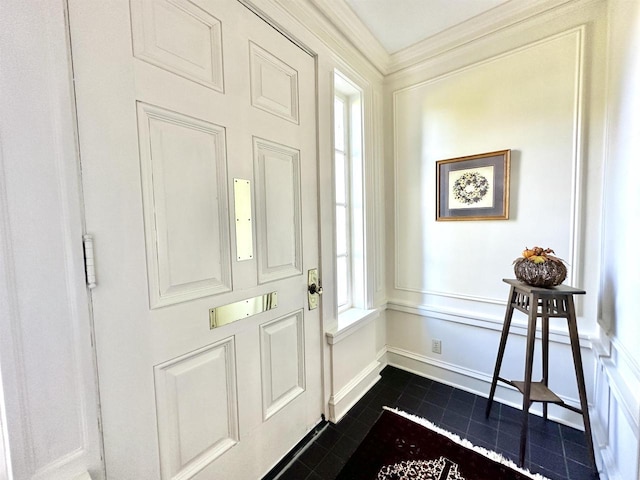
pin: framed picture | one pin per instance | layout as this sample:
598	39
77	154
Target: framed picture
474	187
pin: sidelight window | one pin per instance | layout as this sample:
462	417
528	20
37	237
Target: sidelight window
349	211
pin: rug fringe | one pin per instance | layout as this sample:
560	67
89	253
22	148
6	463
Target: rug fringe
495	456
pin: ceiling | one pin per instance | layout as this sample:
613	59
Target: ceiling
398	24
397	34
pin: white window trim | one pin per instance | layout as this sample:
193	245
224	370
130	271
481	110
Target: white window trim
350	322
355	312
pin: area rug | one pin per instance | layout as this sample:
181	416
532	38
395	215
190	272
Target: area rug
401	446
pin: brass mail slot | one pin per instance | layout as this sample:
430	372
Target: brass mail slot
226	314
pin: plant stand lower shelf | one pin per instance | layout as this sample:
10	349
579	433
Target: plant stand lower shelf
539	392
544	303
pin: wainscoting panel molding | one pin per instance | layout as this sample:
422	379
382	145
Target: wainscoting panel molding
617	411
622	375
421	138
468	349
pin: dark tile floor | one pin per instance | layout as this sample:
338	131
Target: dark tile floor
554	450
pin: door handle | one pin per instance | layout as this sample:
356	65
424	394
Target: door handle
314	289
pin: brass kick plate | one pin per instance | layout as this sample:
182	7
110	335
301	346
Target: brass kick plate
232	312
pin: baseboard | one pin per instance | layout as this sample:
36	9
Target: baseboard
474	382
342	401
609	468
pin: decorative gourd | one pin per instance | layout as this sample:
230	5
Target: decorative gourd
539	268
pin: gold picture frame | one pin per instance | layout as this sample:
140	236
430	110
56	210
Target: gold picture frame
475	187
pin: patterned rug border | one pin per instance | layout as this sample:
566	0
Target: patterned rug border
463	442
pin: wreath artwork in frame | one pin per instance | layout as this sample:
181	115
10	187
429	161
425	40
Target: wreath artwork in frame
474	187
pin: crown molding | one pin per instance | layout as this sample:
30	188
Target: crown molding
485	24
306	14
340	29
339	14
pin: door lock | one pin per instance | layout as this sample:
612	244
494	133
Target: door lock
314	289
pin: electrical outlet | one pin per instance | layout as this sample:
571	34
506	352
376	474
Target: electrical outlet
436	346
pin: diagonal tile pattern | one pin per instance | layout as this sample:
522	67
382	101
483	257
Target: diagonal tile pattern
556	451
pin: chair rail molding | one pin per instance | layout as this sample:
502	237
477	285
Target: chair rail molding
489	322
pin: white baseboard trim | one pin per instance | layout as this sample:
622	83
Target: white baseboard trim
342	401
473	381
381	357
440	364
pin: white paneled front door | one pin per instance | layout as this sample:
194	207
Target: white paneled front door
181	105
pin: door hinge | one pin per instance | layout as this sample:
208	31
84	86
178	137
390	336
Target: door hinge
89	262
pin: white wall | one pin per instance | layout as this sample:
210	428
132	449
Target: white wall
535	88
49	397
618	378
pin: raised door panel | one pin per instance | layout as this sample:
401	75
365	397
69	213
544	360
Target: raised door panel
179	37
282	359
274	84
278	210
197	409
184	182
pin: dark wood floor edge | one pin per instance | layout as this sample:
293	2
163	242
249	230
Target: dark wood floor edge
308	438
